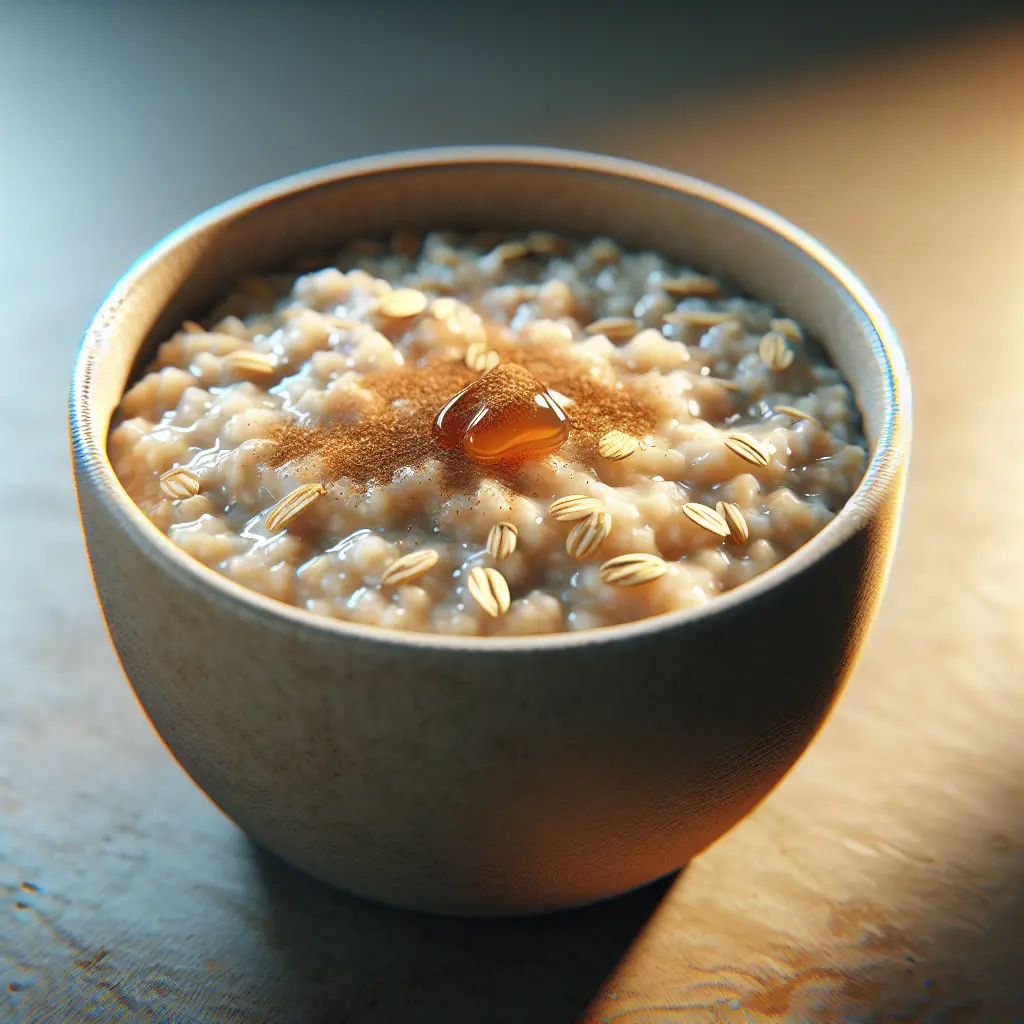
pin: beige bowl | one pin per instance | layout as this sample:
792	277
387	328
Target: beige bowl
488	776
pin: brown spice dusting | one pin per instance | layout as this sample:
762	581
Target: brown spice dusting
398	433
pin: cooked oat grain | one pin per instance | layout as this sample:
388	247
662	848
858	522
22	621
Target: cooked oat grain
402	304
748	448
588	535
244	361
738	529
409	567
490	590
774	352
706	518
501	541
788	328
179	483
292	505
574	507
616	445
614	328
633	569
690	285
796	414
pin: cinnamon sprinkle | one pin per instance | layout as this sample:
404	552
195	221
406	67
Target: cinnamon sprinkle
370	448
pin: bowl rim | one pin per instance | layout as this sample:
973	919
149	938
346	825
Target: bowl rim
90	458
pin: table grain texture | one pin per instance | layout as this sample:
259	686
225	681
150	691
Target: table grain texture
882	881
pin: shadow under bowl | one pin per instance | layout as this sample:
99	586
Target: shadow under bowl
487	775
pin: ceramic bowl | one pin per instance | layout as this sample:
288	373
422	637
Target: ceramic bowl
488	776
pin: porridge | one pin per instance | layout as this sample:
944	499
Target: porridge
489	435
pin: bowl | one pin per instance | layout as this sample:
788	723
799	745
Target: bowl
488	776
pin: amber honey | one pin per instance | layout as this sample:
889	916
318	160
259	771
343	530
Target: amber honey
506	415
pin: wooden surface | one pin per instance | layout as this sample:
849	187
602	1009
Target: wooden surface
883	881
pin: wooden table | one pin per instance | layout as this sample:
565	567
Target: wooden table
882	881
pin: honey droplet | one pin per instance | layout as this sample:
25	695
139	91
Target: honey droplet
506	415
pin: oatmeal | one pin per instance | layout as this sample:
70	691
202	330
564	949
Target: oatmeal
489	435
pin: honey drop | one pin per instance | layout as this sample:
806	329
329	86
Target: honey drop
506	415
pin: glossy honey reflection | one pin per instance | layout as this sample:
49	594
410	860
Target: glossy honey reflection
506	415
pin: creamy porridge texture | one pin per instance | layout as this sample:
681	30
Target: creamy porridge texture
489	435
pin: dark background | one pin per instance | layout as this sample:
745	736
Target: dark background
119	120
124	893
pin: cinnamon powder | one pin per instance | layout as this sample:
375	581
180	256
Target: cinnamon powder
373	448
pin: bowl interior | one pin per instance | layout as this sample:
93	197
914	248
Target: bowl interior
513	189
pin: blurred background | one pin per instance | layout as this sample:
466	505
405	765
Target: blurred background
884	880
